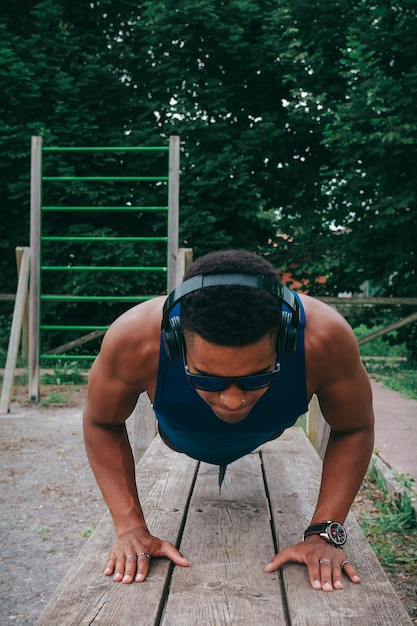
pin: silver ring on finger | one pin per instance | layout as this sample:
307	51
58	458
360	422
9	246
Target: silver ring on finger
148	556
343	564
324	561
131	556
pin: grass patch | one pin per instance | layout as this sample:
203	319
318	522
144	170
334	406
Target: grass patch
55	397
64	373
42	532
399	376
390	526
389	364
89	531
379	347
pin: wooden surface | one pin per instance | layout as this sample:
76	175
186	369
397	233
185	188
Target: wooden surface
85	595
293	487
228	539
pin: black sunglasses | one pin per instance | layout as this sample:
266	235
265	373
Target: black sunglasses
220	383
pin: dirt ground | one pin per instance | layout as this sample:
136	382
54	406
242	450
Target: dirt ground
48	498
49	502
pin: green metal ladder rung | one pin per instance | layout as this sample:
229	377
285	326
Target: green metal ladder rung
67	298
66	179
106	149
103	268
101	239
105	208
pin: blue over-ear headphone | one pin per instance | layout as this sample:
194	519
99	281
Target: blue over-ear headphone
171	327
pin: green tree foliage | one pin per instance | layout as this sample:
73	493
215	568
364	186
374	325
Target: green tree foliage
372	137
210	75
297	122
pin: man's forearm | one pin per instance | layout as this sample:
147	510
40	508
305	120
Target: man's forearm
112	462
344	466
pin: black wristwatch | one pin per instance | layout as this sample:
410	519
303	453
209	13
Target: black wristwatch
333	532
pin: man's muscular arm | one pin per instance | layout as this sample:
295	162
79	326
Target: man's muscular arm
337	376
117	377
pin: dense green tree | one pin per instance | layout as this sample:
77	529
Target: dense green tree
297	122
372	137
230	79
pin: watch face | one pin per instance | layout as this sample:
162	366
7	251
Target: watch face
337	533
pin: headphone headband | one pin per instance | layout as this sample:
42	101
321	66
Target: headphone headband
261	281
171	327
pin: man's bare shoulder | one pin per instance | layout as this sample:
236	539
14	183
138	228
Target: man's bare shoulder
330	344
147	315
323	320
131	345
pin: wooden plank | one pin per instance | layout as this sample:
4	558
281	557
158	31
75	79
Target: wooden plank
359	300
80	341
293	472
228	540
16	331
85	595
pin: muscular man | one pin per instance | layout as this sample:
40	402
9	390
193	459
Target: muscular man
229	361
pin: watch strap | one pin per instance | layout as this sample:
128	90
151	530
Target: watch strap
316	528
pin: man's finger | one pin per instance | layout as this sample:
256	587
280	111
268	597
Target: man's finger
350	571
169	551
326	574
130	568
109	569
142	566
285	556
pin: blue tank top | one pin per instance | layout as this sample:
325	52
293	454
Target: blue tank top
192	427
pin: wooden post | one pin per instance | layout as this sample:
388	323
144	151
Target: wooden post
35	238
144	426
318	430
185	258
173	209
25	323
16	330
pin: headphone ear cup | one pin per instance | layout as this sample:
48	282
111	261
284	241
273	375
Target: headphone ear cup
287	340
173	338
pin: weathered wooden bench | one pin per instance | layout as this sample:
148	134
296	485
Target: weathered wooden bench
265	504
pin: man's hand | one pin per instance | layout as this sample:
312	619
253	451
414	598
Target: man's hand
129	560
325	563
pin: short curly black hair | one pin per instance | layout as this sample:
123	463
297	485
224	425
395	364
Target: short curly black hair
232	315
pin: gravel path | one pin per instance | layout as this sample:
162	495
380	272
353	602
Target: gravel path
49	503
